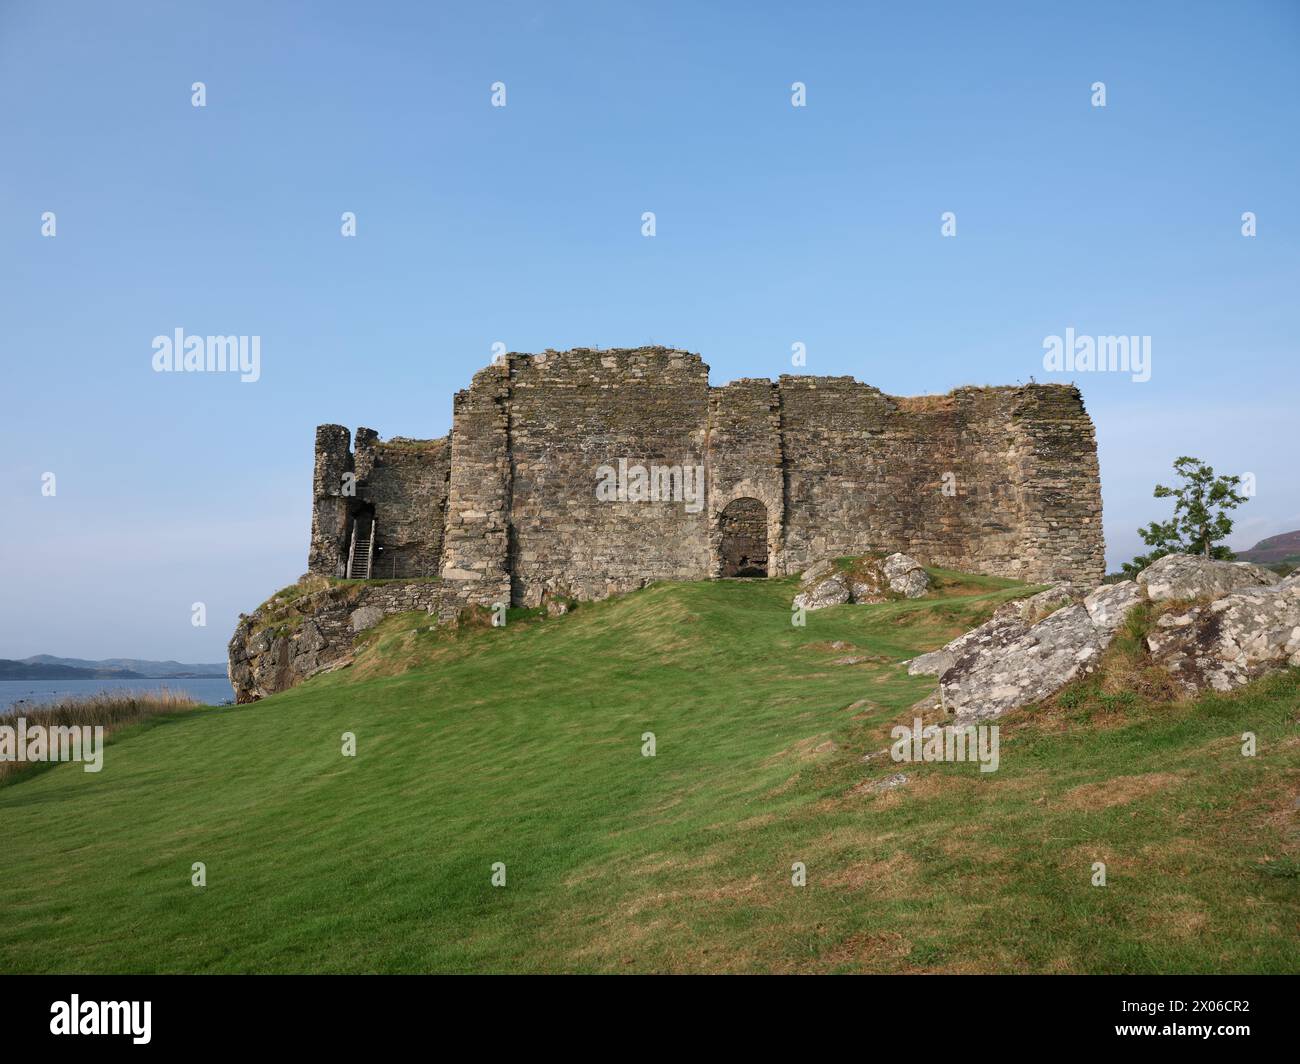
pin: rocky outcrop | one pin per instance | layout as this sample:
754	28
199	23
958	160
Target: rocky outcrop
990	637
1189	576
1033	609
865	580
905	576
1042	660
1230	641
1110	604
1009	622
311	628
1241	622
832	589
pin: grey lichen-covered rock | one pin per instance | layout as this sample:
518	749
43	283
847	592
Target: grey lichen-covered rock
1110	604
1231	641
935	663
310	638
1028	659
1041	661
981	642
365	617
863	580
1033	609
905	576
1009	622
867	583
1187	576
831	590
1251	626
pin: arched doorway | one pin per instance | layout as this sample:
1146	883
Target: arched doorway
743	525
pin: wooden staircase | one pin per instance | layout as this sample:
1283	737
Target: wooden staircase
361	553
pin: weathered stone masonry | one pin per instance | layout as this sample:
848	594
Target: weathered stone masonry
505	508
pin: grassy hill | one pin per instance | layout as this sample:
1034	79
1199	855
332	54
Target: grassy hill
522	745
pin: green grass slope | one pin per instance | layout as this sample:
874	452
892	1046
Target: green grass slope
522	745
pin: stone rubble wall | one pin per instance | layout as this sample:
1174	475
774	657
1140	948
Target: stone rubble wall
329	514
506	507
571	414
866	473
745	459
1058	485
476	542
406	481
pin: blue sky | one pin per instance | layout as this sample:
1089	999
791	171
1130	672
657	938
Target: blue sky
521	224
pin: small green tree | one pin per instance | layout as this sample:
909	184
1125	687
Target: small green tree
1200	518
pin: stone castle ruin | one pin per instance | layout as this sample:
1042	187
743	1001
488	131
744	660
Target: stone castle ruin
570	475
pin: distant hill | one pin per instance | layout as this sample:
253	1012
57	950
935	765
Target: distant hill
31	670
1276	550
131	668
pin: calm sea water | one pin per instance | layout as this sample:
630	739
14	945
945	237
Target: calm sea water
15	693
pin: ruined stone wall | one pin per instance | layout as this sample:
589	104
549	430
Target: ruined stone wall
1059	485
475	551
987	480
866	472
1001	481
329	513
571	413
403	482
745	462
407	484
837	469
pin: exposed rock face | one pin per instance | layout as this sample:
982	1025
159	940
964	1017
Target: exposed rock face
366	617
1110	604
1188	576
816	571
1251	626
1009	622
1049	655
906	576
1231	641
1033	609
990	637
831	590
867	580
868	583
312	629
